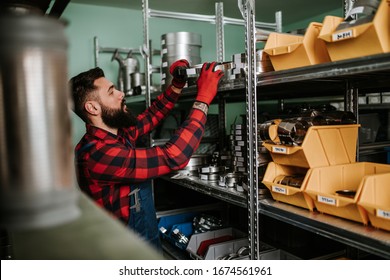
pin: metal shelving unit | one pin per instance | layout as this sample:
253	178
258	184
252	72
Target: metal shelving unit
360	73
351	76
219	20
347	79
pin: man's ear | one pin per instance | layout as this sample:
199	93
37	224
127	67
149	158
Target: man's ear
92	107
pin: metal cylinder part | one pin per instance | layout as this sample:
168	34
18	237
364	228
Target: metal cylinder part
130	66
268	131
340	117
195	70
36	164
292	131
137	79
175	46
289	180
263	62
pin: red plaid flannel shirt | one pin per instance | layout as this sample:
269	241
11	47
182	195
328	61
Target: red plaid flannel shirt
107	165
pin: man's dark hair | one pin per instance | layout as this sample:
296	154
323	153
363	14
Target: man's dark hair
81	87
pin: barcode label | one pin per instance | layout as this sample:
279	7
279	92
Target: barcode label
280	150
278	189
342	35
383	214
326	200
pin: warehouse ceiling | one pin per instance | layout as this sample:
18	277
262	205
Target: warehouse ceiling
292	10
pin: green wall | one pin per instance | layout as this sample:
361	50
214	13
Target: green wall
116	27
319	18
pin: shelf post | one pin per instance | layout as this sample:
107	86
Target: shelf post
219	25
251	113
146	50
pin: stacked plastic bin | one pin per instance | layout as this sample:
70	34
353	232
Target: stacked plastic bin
289	51
334	39
322	146
368	35
350	190
333	182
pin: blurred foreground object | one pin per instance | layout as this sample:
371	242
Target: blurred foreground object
37	187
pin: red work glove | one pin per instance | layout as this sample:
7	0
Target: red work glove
208	83
179	80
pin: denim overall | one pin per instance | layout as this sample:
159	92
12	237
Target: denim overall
143	214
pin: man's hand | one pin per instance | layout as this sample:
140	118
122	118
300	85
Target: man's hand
208	83
179	80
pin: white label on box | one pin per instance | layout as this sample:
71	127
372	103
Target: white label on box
383	214
164	51
342	35
326	200
164	64
280	150
278	189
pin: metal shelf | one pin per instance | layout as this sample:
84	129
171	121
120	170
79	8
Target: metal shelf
346	78
364	73
380	106
342	78
357	69
211	189
351	233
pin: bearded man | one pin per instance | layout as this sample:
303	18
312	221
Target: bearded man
110	168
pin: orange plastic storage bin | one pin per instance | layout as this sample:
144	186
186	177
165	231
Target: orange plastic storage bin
360	40
290	51
285	193
374	201
335	190
322	146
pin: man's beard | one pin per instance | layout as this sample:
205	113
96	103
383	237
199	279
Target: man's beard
117	118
